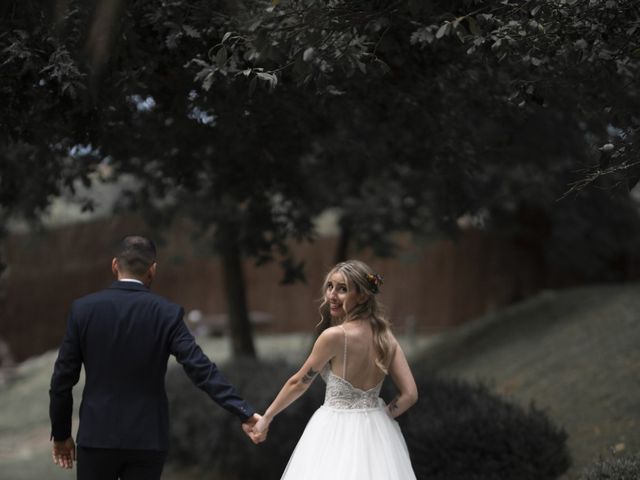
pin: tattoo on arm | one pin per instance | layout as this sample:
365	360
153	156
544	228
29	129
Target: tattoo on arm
393	406
309	376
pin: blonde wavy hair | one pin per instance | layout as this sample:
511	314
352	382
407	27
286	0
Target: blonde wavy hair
358	276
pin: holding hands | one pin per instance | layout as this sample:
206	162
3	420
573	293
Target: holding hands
249	428
261	428
256	428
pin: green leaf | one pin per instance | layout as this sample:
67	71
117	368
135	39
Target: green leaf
270	78
208	81
443	30
473	26
190	31
200	63
221	56
171	41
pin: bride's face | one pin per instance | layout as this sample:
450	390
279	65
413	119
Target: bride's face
338	297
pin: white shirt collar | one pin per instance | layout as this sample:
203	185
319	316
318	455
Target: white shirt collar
130	280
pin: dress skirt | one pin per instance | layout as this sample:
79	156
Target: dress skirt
350	444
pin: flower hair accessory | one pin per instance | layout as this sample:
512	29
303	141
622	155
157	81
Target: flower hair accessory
375	282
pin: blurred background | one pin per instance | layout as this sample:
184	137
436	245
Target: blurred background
481	155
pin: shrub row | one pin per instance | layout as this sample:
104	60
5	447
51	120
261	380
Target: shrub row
463	431
457	431
208	437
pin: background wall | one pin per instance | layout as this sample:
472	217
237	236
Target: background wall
427	287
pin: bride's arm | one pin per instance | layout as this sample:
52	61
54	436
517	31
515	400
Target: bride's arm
323	350
403	379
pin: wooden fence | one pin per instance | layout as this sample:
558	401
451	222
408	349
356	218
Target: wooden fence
428	287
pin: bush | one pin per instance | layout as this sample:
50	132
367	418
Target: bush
208	437
619	467
462	431
457	431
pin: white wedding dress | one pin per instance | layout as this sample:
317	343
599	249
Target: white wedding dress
350	437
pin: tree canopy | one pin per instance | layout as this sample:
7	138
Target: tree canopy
252	117
452	91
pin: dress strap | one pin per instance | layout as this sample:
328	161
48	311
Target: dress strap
344	360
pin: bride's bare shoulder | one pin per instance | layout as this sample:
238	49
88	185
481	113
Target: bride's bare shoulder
332	334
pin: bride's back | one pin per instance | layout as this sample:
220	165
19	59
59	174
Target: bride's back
361	368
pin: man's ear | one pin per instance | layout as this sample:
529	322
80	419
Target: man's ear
114	266
152	269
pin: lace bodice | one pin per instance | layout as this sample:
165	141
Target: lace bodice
340	393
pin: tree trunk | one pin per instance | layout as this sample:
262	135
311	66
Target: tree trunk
235	290
3	265
342	249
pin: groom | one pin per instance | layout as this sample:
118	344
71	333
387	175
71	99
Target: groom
123	336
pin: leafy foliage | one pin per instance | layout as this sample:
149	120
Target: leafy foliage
211	439
578	56
456	431
463	80
493	103
40	87
252	117
463	431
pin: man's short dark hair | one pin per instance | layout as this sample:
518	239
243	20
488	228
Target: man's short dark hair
136	254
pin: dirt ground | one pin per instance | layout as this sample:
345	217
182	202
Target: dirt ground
573	353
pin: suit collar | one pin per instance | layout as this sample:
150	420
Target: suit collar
128	286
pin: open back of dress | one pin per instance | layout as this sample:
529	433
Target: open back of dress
341	393
351	436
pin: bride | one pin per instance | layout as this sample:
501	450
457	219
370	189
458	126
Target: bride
353	435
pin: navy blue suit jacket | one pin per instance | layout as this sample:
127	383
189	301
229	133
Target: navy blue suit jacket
124	335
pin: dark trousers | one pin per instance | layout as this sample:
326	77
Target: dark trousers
116	464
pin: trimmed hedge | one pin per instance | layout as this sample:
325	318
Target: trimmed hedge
456	431
619	467
210	438
462	431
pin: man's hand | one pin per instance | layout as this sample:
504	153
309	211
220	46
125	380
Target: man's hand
261	428
64	452
247	427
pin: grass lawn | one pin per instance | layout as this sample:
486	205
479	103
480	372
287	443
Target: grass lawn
573	353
